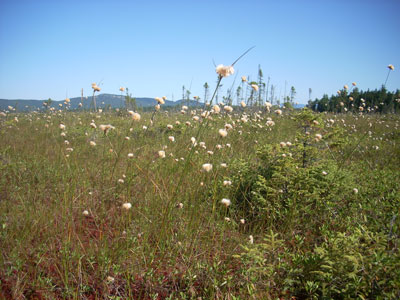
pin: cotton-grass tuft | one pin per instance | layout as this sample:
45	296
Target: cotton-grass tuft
251	240
110	279
106	128
391	68
228	108
207	167
224	71
95	87
254	87
223	133
161	154
135	116
127	206
216	109
160	100
226	202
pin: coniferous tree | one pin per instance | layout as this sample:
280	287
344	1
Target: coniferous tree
206	87
260	86
188	97
266	93
238	91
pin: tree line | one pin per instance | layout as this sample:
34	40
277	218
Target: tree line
355	100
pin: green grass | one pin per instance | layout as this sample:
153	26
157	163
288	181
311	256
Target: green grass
314	236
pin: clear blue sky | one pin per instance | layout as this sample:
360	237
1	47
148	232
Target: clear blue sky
51	48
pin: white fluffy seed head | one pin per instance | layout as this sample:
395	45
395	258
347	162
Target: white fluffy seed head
136	117
228	108
251	239
224	71
226	202
126	206
223	133
207	167
161	154
228	127
216	109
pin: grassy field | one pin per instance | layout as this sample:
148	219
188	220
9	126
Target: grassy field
245	204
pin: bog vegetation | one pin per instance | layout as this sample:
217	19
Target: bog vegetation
218	202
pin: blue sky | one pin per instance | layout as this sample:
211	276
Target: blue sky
51	49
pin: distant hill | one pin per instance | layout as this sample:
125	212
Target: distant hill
299	106
102	100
